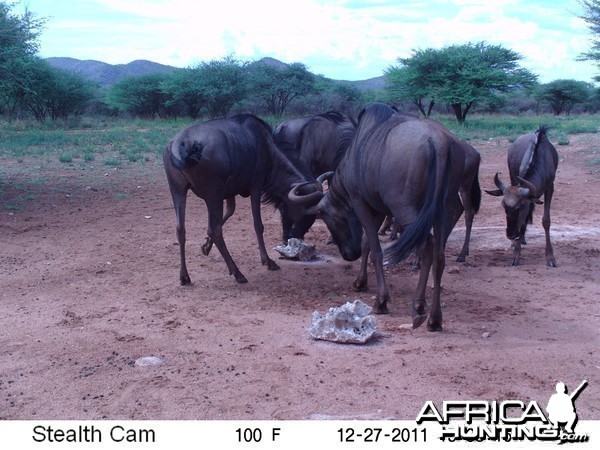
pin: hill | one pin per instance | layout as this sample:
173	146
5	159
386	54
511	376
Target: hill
108	74
372	84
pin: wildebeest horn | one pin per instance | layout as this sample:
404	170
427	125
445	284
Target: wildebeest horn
501	186
304	199
529	187
499	183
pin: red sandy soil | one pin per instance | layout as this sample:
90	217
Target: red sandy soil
89	283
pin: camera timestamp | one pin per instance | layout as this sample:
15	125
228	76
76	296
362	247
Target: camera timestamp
401	435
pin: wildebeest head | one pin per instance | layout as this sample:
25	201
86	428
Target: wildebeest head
343	223
518	202
339	216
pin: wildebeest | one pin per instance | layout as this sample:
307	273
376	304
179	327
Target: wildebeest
287	133
469	190
220	159
410	169
532	164
318	145
470	195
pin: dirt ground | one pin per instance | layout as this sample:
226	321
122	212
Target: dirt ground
89	284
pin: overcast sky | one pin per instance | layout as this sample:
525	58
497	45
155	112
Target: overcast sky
341	39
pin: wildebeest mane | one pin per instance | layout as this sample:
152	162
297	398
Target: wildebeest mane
333	116
282	163
369	121
346	125
530	166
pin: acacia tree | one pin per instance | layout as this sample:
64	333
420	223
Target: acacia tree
591	16
67	93
562	95
415	79
215	86
459	75
279	85
141	96
18	46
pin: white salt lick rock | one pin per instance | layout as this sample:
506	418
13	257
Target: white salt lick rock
297	248
350	323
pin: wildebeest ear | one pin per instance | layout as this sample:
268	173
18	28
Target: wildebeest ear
532	192
325	176
360	114
495	192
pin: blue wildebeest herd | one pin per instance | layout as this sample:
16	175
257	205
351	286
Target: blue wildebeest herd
387	164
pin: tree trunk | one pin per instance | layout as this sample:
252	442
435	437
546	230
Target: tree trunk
419	104
459	112
431	103
467	108
457	108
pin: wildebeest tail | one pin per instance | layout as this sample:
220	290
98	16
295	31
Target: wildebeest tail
416	234
186	154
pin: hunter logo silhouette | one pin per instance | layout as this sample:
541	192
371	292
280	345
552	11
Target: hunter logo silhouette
561	407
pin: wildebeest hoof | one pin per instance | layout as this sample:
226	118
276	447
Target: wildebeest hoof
514	262
461	258
359	286
418	321
551	263
240	278
185	280
271	265
207	246
380	309
434	326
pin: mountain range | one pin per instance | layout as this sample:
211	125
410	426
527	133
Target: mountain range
108	74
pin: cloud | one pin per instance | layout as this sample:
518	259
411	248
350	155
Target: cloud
352	39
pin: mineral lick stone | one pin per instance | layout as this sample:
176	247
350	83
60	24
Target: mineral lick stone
149	361
297	248
350	323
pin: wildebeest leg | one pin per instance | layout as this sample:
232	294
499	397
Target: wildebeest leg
467	205
286	224
259	230
516	252
360	284
394	230
371	222
178	185
179	201
550	261
439	263
417	307
387	225
215	233
207	246
230	202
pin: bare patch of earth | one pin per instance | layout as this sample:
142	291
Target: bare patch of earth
89	284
